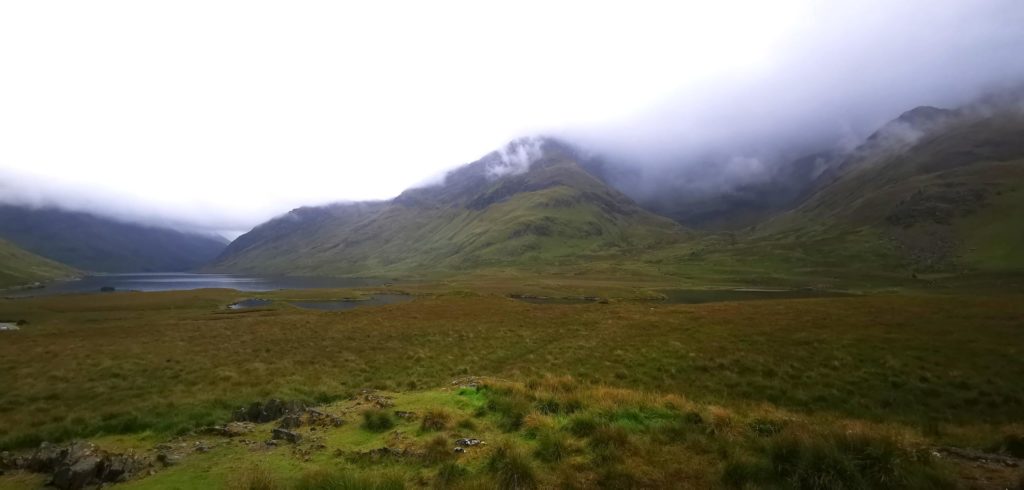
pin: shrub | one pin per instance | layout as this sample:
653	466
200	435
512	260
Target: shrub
1014	445
617	477
512	471
467	424
766	428
836	461
608	443
511	408
552	446
376	420
583	425
343	480
255	478
434	420
437	450
448	474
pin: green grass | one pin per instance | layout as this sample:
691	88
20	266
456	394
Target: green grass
599	390
19	267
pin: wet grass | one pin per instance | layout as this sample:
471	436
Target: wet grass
756	393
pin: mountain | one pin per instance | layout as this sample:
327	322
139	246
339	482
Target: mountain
531	204
744	204
932	191
726	192
18	267
94	243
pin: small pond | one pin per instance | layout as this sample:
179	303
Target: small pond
544	300
249	303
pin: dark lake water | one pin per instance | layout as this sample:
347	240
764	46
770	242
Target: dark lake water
174	281
694	296
344	304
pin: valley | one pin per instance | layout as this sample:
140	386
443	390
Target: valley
526	324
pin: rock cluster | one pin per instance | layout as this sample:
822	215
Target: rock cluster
231	429
77	465
286	435
379	401
272	409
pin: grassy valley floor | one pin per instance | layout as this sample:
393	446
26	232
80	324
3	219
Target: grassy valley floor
868	391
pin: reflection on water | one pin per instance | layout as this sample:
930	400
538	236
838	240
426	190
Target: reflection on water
175	281
348	304
249	303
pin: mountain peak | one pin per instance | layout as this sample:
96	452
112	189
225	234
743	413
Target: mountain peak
529	202
514	160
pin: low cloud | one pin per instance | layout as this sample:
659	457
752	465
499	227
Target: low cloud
108	109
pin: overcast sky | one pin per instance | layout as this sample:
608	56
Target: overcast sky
219	115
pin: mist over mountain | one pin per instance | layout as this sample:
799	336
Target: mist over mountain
94	243
739	185
694	97
530	204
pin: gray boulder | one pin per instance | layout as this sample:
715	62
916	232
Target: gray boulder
287	435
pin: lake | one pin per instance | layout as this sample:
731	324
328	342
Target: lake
176	281
348	304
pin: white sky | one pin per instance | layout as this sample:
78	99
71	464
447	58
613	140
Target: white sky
225	113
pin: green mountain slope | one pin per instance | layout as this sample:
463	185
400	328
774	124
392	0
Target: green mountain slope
944	193
18	267
94	243
531	205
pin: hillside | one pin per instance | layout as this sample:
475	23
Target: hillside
531	204
18	267
734	208
933	191
94	243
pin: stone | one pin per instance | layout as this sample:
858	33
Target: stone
272	410
45	458
231	429
168	459
7	462
405	415
468	442
291	421
77	475
287	435
120	467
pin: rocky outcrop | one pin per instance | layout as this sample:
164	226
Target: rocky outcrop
271	410
78	464
286	435
231	429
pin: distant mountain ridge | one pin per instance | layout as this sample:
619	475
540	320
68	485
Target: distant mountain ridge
941	189
781	186
934	190
527	205
93	243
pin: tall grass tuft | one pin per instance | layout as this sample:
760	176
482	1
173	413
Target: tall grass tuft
511	469
255	478
344	480
552	446
434	420
838	460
